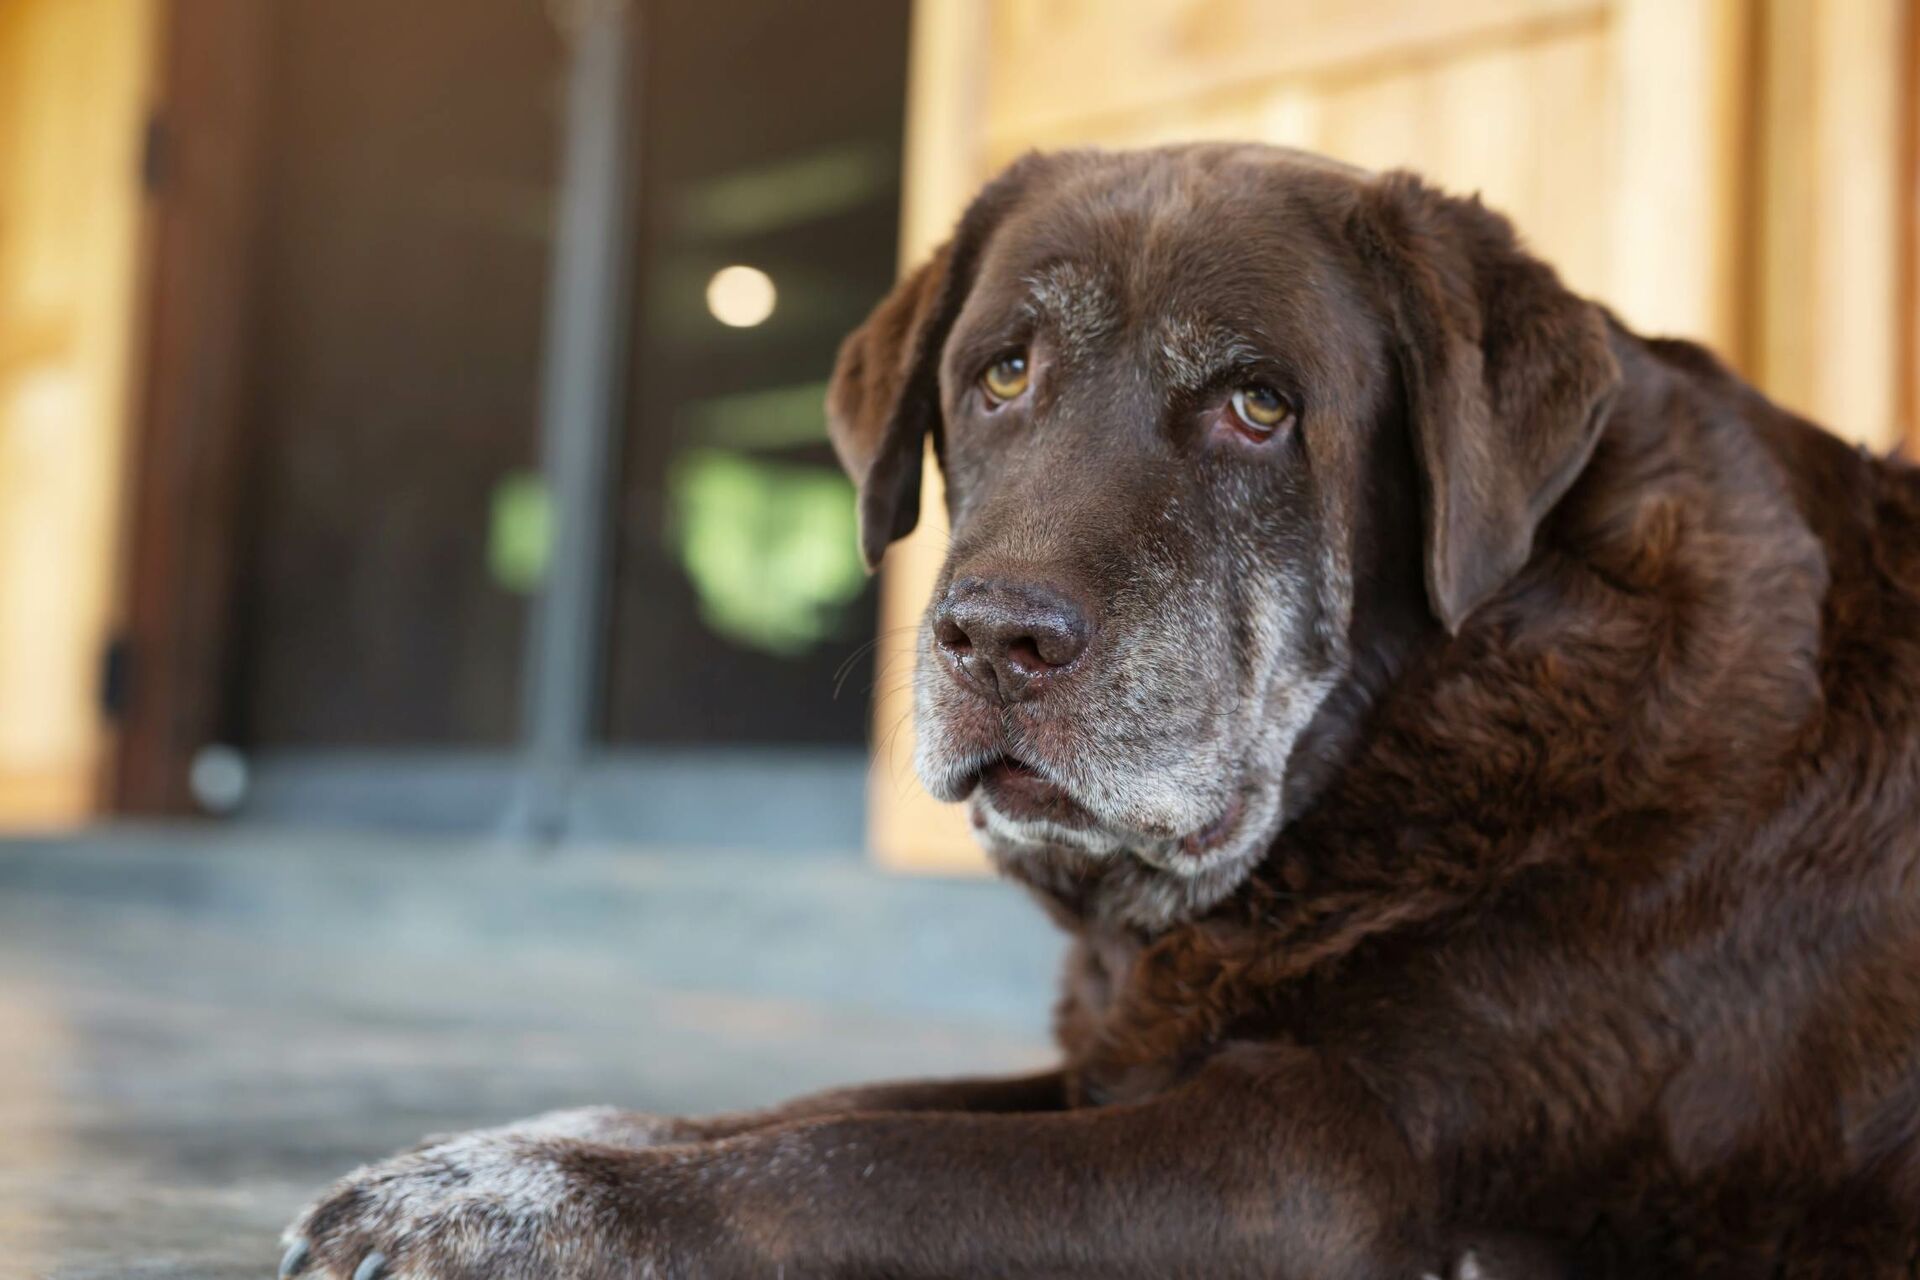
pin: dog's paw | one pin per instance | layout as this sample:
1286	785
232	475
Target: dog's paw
533	1199
608	1125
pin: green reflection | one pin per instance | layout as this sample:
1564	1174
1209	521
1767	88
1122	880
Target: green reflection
520	531
754	201
769	546
771	418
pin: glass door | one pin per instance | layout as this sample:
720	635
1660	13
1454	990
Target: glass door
768	226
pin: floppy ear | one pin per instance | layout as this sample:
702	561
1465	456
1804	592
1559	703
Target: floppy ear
1508	376
884	397
883	400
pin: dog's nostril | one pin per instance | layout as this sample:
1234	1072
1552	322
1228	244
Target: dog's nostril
1024	653
1042	652
949	635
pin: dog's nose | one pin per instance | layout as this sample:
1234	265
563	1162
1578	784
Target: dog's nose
1004	638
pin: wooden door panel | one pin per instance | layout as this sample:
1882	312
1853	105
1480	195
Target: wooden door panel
73	84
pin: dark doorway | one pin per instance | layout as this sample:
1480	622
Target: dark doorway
378	526
406	234
738	593
392	430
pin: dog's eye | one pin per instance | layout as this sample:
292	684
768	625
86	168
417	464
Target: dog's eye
1262	410
1006	377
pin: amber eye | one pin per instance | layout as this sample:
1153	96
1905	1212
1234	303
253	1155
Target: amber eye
1006	377
1261	409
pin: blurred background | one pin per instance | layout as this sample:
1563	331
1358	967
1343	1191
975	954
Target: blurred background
410	415
434	657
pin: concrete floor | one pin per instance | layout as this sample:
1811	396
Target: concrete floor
200	1027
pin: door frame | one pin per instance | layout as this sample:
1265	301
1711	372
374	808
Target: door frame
204	158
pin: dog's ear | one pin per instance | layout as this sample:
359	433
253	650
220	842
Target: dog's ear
884	397
1508	379
882	402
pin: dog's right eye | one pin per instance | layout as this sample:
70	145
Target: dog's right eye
1261	410
1006	377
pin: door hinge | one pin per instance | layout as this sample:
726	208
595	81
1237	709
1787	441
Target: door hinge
116	670
153	153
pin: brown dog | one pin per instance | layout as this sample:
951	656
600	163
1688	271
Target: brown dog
1476	751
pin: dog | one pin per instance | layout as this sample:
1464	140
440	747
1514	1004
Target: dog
1474	750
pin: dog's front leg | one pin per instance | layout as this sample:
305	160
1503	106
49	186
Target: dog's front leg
1232	1173
1268	1163
612	1126
993	1095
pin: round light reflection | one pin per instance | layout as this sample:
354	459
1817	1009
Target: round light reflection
741	296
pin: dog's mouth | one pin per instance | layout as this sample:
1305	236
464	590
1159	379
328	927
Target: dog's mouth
1021	792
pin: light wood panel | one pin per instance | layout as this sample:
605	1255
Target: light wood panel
1620	135
1907	193
1678	200
73	77
1831	204
1081	67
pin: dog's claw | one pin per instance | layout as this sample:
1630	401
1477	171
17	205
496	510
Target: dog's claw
295	1259
371	1267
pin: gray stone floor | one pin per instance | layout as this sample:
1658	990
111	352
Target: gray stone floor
199	1027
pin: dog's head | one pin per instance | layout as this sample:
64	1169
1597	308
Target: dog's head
1209	417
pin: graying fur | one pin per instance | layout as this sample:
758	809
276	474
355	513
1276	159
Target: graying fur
1167	728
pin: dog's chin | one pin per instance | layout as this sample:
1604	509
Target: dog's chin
1021	813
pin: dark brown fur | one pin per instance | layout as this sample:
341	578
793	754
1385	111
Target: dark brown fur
1590	932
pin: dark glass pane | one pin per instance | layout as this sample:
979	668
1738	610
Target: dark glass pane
770	139
413	153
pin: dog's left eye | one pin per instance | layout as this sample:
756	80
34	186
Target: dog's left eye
1262	410
1006	377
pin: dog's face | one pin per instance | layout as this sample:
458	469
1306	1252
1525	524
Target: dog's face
1152	451
1190	405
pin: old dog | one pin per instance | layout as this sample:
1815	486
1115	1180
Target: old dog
1473	748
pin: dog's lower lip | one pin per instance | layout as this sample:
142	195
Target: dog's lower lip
1023	793
1216	832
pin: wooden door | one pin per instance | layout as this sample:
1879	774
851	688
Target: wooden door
73	83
